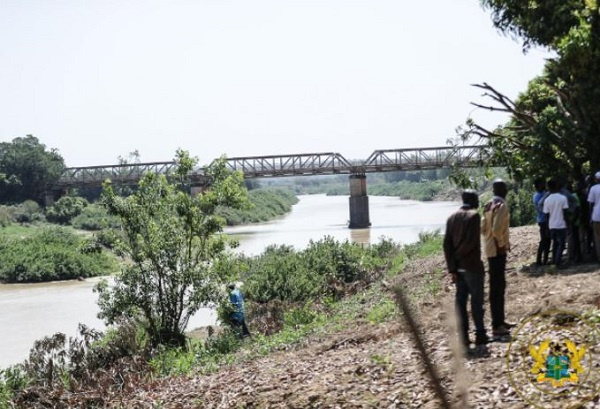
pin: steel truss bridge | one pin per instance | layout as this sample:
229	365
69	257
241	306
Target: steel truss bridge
330	163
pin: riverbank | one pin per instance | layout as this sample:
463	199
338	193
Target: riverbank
365	363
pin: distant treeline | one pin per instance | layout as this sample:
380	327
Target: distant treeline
267	204
424	185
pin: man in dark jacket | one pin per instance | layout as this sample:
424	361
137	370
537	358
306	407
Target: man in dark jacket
462	249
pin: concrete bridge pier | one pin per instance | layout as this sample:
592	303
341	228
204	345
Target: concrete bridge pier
52	195
359	202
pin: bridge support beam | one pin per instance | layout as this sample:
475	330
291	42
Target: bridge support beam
359	202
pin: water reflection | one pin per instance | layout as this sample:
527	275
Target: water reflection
362	236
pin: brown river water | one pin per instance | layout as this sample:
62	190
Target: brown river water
32	311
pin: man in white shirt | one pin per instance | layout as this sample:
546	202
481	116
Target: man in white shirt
594	201
555	207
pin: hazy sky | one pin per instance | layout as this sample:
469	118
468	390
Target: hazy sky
97	79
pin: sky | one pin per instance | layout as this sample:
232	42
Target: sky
98	79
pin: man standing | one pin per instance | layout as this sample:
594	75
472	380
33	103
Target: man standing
462	249
594	201
494	228
556	206
542	221
238	317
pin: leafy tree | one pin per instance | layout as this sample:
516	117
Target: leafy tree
555	124
27	168
172	240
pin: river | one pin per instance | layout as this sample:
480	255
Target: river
31	311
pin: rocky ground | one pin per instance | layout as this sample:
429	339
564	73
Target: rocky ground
377	366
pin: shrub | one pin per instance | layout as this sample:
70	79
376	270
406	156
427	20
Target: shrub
51	254
12	380
383	311
95	217
83	371
429	243
520	205
6	216
65	209
28	212
109	238
324	267
279	273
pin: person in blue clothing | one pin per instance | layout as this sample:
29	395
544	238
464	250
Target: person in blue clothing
542	221
238	317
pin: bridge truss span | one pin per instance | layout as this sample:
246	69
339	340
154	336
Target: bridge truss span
329	163
119	174
388	160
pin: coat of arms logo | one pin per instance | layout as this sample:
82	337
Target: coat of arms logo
552	359
557	362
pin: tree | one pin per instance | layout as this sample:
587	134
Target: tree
27	169
172	240
554	125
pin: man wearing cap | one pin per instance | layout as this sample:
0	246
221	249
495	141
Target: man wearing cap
462	249
594	201
494	228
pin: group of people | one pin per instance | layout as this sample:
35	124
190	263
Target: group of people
462	248
567	219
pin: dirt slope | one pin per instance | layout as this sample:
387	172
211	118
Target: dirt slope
368	366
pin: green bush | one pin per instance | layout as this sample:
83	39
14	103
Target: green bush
279	273
65	209
109	238
297	317
520	205
174	361
12	380
429	243
59	366
325	267
95	217
50	254
383	311
28	212
6	215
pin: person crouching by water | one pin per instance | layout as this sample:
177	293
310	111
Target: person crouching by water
238	318
462	249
